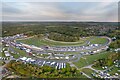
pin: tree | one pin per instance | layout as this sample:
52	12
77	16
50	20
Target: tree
115	44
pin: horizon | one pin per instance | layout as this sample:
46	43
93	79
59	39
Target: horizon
60	21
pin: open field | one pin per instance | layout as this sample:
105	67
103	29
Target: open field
81	63
98	68
87	60
88	71
82	76
2	54
21	53
45	41
98	40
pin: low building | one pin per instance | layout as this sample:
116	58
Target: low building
7	54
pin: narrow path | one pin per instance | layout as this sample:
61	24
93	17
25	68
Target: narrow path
86	75
72	65
90	67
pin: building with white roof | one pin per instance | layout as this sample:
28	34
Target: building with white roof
23	58
7	54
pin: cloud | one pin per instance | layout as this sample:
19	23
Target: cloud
60	0
80	11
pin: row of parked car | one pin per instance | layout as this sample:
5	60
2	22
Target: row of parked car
57	65
74	48
4	58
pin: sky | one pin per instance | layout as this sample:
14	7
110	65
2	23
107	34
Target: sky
59	11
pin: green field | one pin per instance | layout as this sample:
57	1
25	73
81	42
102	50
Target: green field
98	40
44	41
88	71
2	54
82	76
98	68
89	59
21	53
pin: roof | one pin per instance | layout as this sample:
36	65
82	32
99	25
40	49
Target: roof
23	58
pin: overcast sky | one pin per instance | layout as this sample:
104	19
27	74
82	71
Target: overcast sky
60	11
